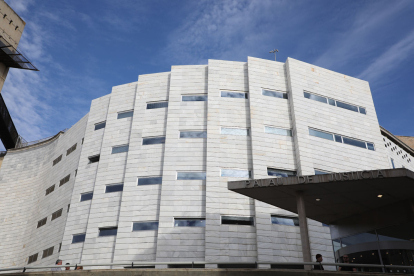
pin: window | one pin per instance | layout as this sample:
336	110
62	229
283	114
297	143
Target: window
314	97
291	221
144	226
33	258
47	252
108	231
194	98
317	172
86	196
362	110
41	222
228	94
341	139
57	160
191	176
60	247
78	238
370	146
68	208
392	163
186	266
235	131
276	94
320	134
235	173
354	142
150	180
57	214
338	138
189	222
71	149
347	106
126	114
94	159
157	105
50	189
237	220
114	188
280	173
100	125
153	140
120	149
278	131
64	180
333	102
193	134
245	265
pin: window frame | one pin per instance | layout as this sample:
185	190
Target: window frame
205	175
119	146
93	157
57	214
281	128
115	184
285	217
285	95
153	137
156	102
203	219
194	95
250	172
253	219
148	177
246	94
142	222
100	127
87	193
245	128
123	112
107	228
187	131
77	235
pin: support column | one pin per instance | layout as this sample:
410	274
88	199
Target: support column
303	225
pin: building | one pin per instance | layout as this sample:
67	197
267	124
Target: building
143	176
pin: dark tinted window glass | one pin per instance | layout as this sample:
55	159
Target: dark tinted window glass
33	258
87	196
347	106
237	220
194	98
392	163
187	266
362	110
150	180
360	238
228	94
94	159
287	266
401	232
157	105
120	149
314	97
41	222
114	188
100	125
237	266
110	231
57	160
370	146
50	189
320	134
64	180
71	149
331	102
274	94
190	222
153	140
143	226
353	142
78	238
291	221
281	173
47	252
338	138
320	172
125	114
191	175
57	214
193	134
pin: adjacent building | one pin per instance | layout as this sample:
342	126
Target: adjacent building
143	176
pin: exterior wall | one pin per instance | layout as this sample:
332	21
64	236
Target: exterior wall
25	175
408	140
398	154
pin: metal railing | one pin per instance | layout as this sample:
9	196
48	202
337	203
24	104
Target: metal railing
138	264
21	142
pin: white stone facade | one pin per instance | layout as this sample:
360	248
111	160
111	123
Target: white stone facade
26	173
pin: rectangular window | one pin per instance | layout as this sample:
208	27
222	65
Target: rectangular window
33	258
314	97
237	220
100	125
108	231
228	94
191	176
94	159
150	180
153	140
50	189
71	149
370	146
331	102
276	94
145	226
317	172
57	214
235	131
194	98
338	138
235	173
126	114
47	252
362	110
189	222
347	106
86	196
280	173
291	221
354	142
193	134
186	266
41	222
120	149
278	131
57	160
64	180
157	105
392	163
114	188
78	238
320	134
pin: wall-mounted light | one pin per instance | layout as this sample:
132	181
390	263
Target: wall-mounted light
379	196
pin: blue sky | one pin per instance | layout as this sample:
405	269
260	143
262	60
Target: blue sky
83	48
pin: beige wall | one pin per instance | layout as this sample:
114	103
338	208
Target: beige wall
11	31
408	140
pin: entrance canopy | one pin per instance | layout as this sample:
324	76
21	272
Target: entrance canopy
331	197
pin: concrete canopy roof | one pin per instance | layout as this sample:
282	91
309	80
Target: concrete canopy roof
340	195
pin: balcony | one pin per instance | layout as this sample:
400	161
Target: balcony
11	57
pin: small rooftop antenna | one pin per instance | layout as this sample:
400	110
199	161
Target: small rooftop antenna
274	51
